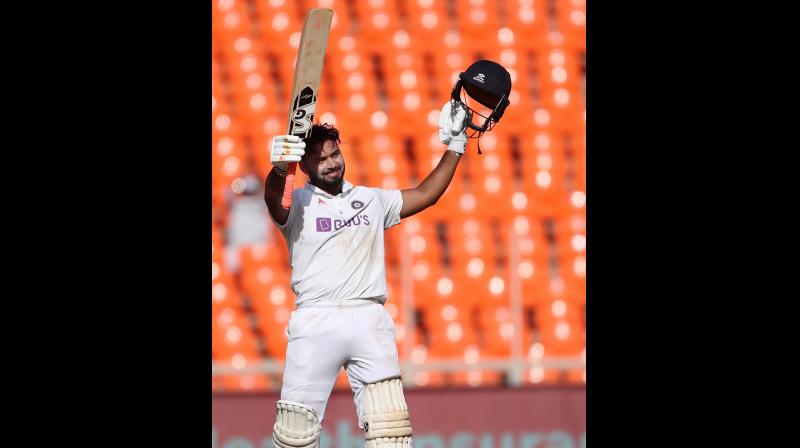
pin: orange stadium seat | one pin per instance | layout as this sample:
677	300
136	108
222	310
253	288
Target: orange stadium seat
571	250
479	22
273	307
224	293
571	20
404	66
391	168
562	332
493	196
232	339
448	339
470	274
432	286
472	238
437	315
533	269
377	19
545	182
494	290
497	329
229	161
261	266
426	21
245	57
276	20
528	19
559	79
422	243
230	17
418	357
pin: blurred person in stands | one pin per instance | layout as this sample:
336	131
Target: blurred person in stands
247	224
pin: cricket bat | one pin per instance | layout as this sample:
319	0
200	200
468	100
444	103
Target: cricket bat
307	74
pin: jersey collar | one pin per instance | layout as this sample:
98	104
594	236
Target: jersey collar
346	186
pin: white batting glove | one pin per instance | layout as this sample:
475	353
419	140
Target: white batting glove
285	149
453	127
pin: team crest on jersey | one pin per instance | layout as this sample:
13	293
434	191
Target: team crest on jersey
356	204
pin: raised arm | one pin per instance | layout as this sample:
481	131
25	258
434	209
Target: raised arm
452	132
284	149
273	193
431	189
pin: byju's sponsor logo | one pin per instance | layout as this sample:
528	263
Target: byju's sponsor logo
328	224
360	220
324	224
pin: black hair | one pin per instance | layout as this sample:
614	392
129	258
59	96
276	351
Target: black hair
321	133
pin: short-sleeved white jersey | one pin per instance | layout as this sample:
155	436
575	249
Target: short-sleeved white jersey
336	243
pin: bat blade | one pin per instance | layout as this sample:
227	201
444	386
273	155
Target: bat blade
305	87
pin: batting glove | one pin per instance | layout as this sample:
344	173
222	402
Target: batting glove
285	149
453	127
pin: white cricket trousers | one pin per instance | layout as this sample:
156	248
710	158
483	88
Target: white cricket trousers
357	333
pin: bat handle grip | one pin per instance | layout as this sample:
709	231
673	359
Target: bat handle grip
286	201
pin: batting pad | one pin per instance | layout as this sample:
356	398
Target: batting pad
385	415
296	426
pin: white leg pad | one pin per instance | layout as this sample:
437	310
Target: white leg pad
296	426
385	415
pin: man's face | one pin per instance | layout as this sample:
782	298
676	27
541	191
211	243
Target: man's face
324	165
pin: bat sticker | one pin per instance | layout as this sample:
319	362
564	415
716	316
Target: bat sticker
303	117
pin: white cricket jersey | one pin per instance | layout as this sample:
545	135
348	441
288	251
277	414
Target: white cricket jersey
336	242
